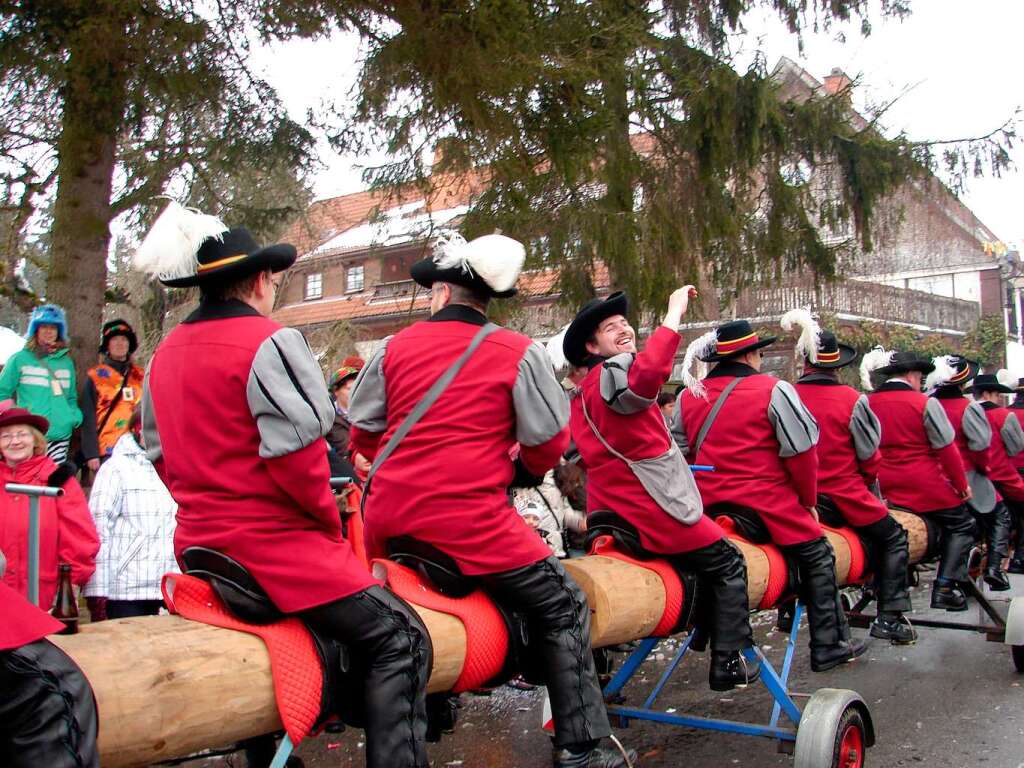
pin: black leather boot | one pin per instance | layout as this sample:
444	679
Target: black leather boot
889	563
1015	566
830	657
895	628
949	597
594	757
997	540
730	669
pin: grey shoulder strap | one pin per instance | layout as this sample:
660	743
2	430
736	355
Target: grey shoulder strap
710	420
428	400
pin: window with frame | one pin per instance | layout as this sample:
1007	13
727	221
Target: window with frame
314	286
354	279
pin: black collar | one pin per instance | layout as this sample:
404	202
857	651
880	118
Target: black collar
214	309
950	392
731	368
118	365
459	312
988	405
819	377
895	386
1018	401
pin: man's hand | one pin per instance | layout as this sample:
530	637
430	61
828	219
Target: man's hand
966	495
814	514
677	305
93	464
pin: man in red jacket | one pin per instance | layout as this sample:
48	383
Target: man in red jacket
1007	442
444	481
615	417
761	442
848	460
47	709
1017	511
235	410
921	469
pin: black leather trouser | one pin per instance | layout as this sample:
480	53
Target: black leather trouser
387	639
559	622
47	710
958	534
889	562
816	570
995	526
1017	522
723	609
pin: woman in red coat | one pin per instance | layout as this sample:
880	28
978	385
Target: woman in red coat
848	460
66	531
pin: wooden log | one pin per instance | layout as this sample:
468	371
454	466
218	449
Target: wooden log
167	687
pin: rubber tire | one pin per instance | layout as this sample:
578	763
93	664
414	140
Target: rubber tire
851	718
1017	652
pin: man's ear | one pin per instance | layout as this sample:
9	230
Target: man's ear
592	348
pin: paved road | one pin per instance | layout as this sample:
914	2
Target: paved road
951	701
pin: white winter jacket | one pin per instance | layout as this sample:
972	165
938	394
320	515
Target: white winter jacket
134	515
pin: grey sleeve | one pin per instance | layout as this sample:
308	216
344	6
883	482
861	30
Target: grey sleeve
977	430
615	386
865	429
150	435
287	395
1013	435
795	427
936	425
542	407
677	428
367	403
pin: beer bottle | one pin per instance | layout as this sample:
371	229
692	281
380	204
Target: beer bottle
66	607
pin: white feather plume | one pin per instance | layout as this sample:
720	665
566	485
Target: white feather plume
496	259
944	371
1004	377
700	347
555	352
810	332
169	248
876	358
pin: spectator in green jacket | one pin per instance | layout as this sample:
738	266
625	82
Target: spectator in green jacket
41	378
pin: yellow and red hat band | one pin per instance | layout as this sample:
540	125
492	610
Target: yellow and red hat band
828	357
724	347
222	262
960	376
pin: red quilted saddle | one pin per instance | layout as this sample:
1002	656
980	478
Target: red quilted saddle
294	661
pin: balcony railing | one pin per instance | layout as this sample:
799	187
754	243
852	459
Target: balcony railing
399	289
871	301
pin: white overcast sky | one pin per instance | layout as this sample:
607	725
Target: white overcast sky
955	66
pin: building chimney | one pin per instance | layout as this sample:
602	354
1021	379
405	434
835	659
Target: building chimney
836	82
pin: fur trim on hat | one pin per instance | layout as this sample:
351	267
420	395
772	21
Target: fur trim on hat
810	332
555	352
944	371
702	346
496	259
876	358
168	251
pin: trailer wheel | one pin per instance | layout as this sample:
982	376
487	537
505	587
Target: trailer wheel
834	731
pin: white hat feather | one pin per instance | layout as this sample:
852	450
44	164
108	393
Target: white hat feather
873	360
555	352
1004	377
169	249
810	332
700	347
944	371
496	259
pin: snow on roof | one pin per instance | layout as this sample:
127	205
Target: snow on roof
10	342
402	224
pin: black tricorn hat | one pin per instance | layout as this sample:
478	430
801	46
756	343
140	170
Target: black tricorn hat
965	370
234	255
736	338
832	353
583	326
905	362
1020	386
989	382
118	327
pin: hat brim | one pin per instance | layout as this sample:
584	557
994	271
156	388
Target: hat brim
847	355
584	325
717	358
276	258
1000	388
426	273
922	366
30	419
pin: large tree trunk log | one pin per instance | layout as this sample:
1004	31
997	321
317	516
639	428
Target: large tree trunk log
167	687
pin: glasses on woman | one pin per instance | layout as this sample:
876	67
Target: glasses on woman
11	437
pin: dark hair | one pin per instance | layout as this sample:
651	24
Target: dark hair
239	288
664	398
